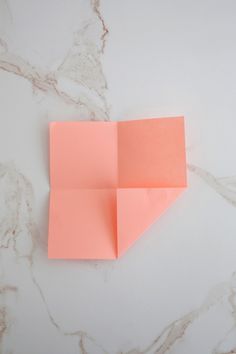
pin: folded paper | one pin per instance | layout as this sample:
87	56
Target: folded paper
110	181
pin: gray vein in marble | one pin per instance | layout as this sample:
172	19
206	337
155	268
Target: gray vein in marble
223	186
17	210
8	9
8	288
96	8
82	336
232	331
82	67
5	320
81	346
3	45
218	348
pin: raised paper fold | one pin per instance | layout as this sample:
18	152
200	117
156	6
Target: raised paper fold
110	181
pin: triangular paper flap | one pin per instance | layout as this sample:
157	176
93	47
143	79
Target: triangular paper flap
137	209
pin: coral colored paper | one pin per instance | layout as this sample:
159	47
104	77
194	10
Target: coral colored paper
110	181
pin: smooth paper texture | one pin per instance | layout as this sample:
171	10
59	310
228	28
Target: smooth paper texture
110	181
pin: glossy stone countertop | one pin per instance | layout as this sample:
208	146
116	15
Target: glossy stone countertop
174	291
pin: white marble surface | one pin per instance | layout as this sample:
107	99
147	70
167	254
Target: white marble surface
175	290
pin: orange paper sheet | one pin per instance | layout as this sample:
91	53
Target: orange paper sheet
110	181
